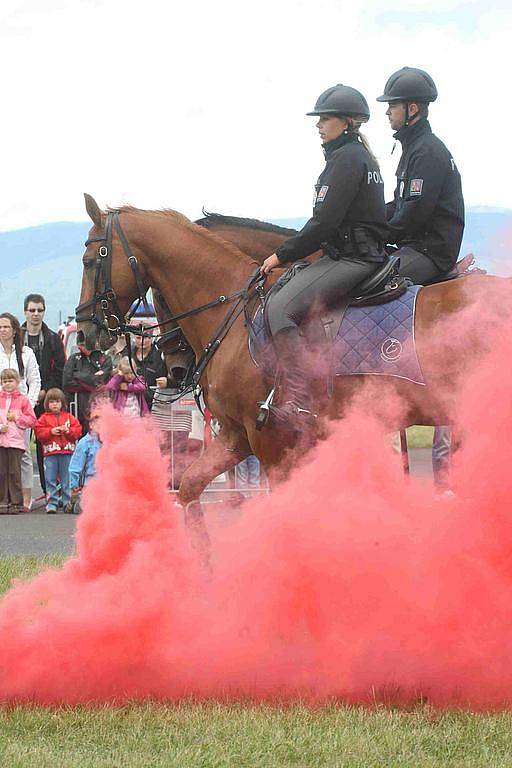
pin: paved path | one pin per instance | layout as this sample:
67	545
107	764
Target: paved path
40	534
36	534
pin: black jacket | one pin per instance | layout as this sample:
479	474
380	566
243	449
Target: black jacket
50	359
349	194
427	212
80	371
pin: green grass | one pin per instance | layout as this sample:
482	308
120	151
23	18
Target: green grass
420	437
203	735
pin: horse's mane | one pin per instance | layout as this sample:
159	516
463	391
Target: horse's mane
181	219
213	220
167	212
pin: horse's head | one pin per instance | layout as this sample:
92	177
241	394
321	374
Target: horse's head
111	280
179	355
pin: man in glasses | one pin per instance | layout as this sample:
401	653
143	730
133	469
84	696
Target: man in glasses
49	352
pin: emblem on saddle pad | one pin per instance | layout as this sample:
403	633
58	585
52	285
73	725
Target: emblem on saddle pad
391	350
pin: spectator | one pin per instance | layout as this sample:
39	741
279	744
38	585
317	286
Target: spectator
85	373
49	351
128	390
247	474
147	360
441	459
57	430
83	462
14	355
16	417
116	351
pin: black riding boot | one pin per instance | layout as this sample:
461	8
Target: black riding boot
295	408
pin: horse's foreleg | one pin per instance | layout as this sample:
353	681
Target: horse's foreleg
222	454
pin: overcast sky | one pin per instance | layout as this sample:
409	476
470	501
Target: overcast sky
161	103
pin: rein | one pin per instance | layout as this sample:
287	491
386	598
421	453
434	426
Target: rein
110	318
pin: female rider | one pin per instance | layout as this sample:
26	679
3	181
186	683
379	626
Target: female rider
348	223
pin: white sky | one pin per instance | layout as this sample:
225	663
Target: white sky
166	103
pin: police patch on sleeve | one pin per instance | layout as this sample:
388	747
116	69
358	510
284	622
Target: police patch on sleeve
416	187
322	192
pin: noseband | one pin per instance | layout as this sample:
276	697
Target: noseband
110	318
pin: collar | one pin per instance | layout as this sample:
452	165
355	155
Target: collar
344	138
44	328
409	133
15	393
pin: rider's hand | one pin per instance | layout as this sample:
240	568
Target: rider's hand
161	382
269	264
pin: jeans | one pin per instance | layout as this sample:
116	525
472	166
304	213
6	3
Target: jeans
441	455
57	466
248	473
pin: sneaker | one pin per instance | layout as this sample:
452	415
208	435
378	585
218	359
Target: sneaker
51	511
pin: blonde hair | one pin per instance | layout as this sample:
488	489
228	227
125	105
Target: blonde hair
8	374
354	125
124	366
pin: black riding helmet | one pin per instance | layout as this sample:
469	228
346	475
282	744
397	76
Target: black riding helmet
409	84
342	100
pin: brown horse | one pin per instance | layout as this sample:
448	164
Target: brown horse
190	267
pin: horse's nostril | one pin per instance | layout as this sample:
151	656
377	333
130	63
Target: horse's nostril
80	337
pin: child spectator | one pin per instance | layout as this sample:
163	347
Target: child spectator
16	416
128	390
83	462
57	431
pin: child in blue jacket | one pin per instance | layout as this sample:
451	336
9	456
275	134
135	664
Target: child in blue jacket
82	465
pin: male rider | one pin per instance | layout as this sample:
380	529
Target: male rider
426	216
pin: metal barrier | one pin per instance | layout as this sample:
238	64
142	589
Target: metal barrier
183	417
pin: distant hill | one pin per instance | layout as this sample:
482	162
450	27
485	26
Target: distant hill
46	259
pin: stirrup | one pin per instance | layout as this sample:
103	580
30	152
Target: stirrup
264	411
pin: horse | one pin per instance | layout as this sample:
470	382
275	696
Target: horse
197	272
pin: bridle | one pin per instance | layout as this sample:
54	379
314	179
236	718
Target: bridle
110	319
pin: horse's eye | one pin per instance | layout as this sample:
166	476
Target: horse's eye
88	263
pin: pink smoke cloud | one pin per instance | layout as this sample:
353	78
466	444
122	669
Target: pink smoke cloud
348	581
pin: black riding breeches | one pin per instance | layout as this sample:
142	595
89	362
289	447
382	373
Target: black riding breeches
324	282
416	266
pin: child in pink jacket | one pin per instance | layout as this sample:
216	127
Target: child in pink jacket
16	415
127	390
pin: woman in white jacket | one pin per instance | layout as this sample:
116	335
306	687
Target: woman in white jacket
23	360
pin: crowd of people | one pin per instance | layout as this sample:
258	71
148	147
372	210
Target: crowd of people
55	400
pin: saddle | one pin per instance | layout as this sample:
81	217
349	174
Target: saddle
383	286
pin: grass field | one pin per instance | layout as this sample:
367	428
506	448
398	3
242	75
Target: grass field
213	734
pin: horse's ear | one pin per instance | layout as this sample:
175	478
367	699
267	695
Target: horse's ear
93	209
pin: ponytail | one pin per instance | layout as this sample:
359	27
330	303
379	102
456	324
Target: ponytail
354	125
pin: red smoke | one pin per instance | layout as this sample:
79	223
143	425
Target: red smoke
348	581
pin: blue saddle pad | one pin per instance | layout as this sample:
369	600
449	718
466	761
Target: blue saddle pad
371	340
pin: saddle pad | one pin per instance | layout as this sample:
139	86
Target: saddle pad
371	340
